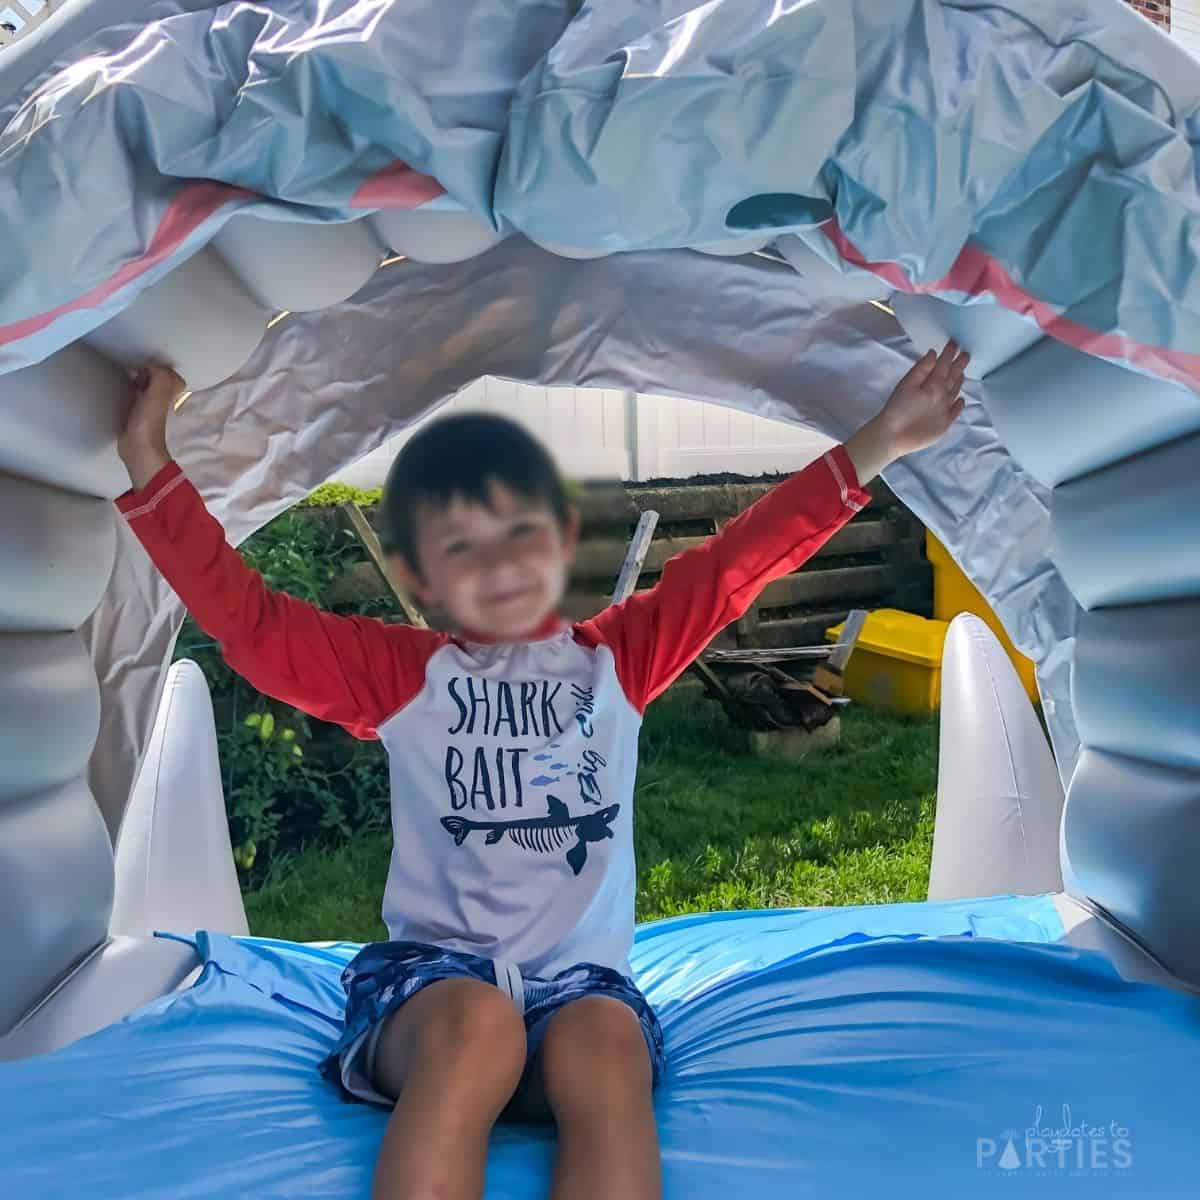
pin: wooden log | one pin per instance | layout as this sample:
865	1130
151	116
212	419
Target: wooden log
745	628
681	502
635	556
881	586
611	505
816	587
693	502
600	558
578	606
710	502
726	639
808	630
671	504
859	537
370	542
359	582
888	531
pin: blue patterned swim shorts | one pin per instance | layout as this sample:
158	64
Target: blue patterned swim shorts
383	975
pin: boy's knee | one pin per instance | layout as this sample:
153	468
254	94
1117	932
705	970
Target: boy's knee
473	1021
593	1045
463	1037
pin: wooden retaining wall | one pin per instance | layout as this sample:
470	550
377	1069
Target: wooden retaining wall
877	561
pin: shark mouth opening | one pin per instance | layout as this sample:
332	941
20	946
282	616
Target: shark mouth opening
767	206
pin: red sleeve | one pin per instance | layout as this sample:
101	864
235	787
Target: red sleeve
656	633
353	671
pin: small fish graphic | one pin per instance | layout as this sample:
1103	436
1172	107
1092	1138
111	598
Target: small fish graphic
543	834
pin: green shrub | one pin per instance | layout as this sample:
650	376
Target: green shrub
329	495
290	781
301	556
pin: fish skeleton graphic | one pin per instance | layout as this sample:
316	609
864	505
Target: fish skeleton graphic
543	834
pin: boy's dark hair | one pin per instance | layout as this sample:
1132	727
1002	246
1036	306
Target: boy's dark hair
462	455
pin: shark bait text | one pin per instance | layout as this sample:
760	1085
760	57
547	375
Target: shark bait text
488	778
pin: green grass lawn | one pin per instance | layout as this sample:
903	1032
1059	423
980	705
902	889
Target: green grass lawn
715	827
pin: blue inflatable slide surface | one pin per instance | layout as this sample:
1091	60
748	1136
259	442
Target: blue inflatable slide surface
810	1053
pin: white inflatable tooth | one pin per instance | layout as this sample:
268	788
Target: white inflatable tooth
734	247
564	251
999	796
50	698
432	235
174	863
198	319
56	886
57	549
299	265
69	409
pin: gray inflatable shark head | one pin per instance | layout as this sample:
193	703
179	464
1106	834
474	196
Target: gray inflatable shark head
770	207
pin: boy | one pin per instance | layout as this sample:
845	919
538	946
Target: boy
504	990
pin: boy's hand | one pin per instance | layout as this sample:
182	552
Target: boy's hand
921	409
143	442
925	401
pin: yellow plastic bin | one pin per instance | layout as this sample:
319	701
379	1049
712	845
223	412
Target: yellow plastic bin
954	593
897	662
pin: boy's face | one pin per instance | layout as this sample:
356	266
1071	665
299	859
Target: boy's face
499	570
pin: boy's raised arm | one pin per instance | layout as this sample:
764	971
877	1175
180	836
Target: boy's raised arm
655	634
353	671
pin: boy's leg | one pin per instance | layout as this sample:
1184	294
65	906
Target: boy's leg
452	1055
595	1074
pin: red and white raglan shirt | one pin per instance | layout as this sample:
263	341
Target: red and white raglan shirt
512	765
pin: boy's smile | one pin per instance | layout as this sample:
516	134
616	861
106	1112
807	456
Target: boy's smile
497	570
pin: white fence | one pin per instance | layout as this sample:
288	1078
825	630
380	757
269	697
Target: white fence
603	434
